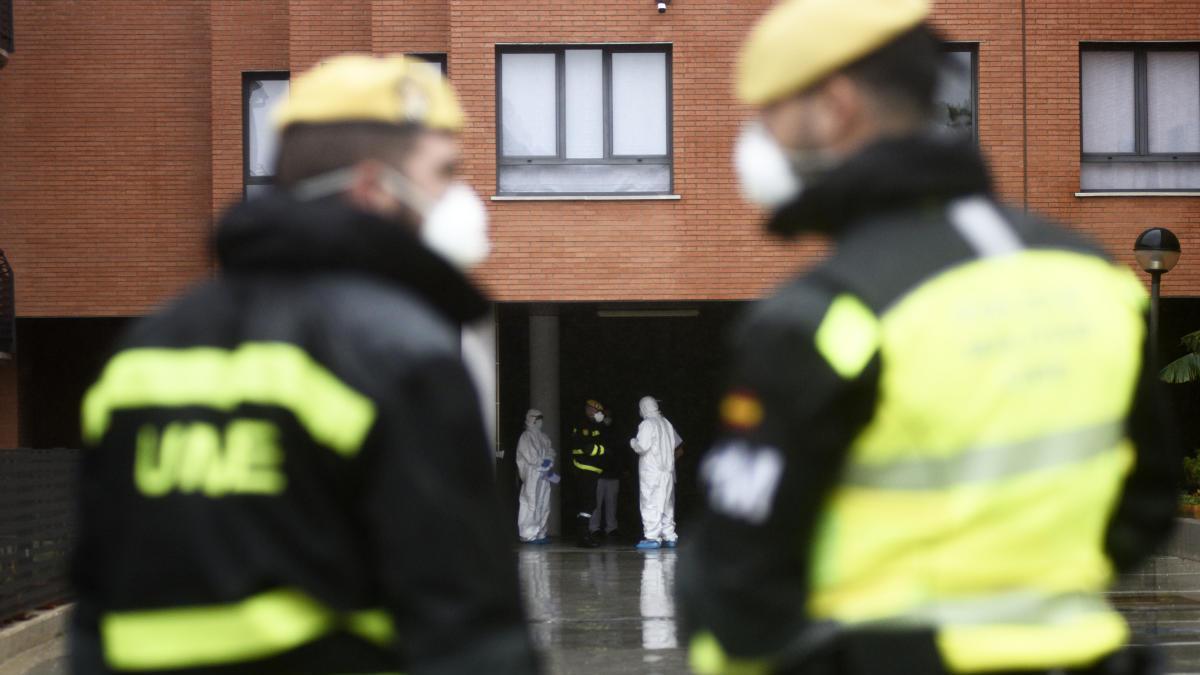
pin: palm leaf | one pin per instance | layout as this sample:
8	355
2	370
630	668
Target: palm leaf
1183	369
1191	341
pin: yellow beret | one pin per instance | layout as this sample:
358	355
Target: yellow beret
362	88
799	42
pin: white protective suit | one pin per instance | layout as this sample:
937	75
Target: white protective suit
655	444
532	451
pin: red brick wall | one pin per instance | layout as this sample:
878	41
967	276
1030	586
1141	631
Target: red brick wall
321	28
105	192
412	26
707	245
122	144
1054	34
246	36
996	28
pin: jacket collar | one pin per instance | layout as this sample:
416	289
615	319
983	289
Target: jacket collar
278	234
891	174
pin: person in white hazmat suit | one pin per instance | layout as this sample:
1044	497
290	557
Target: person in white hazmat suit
655	445
535	463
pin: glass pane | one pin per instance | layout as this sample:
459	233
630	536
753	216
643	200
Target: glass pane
264	96
528	117
954	111
1107	101
585	103
254	191
585	178
1140	176
639	102
1174	86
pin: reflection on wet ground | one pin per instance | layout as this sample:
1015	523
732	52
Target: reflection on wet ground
608	610
611	610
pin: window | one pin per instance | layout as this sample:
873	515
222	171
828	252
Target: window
1140	117
261	92
584	120
437	59
955	98
6	29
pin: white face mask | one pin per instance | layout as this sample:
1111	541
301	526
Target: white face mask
772	176
454	226
764	168
537	424
599	417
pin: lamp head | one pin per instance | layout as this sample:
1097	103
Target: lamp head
1157	250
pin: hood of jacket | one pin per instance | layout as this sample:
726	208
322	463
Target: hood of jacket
890	174
277	234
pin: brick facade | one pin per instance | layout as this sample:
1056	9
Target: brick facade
121	129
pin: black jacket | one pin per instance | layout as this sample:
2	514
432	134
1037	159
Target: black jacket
589	434
402	519
885	210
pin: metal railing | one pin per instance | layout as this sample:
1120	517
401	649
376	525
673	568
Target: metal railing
37	527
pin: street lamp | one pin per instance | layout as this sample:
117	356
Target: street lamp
1157	251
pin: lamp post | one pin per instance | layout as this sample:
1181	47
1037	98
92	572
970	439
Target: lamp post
1157	251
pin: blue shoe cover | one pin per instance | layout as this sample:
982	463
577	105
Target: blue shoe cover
648	544
670	544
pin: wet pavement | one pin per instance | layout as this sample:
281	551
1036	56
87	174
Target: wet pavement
606	610
611	610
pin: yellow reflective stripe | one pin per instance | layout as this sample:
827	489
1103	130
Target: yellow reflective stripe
266	373
988	463
848	336
707	657
585	467
1080	643
260	626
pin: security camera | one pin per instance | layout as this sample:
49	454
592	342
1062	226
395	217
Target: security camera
662	6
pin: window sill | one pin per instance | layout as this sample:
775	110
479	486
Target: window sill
1115	193
585	198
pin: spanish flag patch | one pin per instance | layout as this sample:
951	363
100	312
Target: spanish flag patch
741	409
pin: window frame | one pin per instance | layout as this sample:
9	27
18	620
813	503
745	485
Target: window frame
440	58
247	78
971	48
560	159
1141	111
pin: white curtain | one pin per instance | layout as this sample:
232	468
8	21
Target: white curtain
528	117
1108	100
265	95
1174	86
639	101
585	103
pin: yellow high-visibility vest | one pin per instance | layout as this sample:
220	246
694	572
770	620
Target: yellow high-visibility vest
976	500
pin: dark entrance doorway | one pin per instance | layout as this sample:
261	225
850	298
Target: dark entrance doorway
617	353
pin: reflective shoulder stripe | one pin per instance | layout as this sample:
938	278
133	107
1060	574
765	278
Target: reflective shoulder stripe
986	463
267	373
258	627
849	336
983	227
